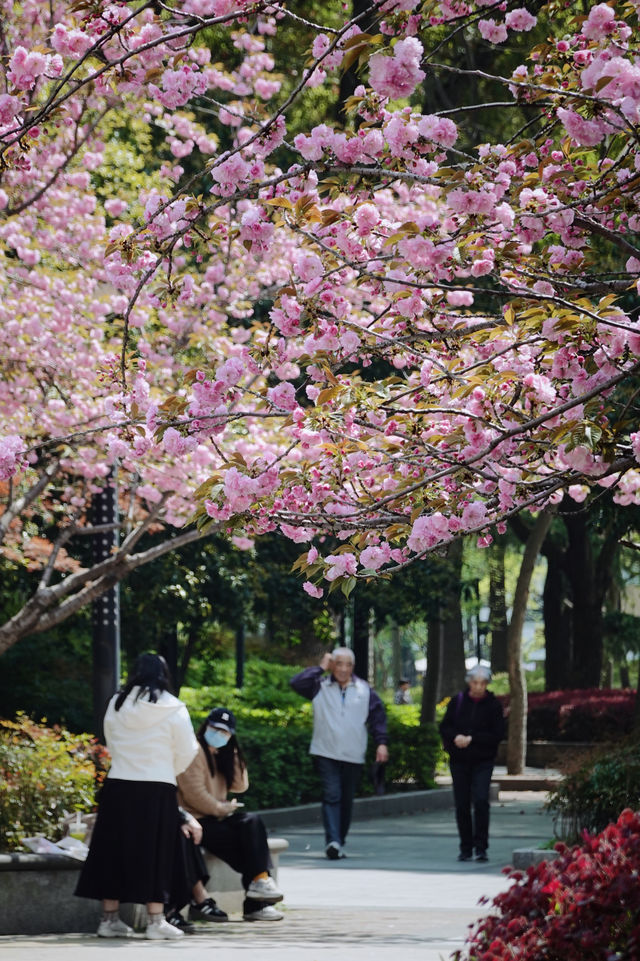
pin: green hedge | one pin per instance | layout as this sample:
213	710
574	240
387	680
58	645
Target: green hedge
47	772
276	736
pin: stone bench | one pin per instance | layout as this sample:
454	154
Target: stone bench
36	893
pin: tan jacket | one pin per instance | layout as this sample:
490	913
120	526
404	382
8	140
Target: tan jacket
200	794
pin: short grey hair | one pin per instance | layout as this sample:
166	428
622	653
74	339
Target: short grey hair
344	652
480	671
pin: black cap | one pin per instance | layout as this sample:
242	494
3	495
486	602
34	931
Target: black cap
222	717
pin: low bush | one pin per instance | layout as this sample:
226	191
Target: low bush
276	735
582	906
45	773
582	715
596	789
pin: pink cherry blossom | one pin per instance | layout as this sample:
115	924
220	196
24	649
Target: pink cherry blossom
312	590
520	19
492	31
399	75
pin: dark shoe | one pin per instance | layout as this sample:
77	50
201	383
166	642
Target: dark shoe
464	857
334	852
482	856
176	919
207	911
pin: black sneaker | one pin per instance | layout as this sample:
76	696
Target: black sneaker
176	919
464	857
334	852
482	856
207	911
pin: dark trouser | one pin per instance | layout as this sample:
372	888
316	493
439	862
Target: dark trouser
339	782
241	841
471	783
190	866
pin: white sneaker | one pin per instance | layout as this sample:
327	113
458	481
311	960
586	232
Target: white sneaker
267	913
163	931
264	890
114	928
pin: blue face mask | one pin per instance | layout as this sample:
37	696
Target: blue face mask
215	738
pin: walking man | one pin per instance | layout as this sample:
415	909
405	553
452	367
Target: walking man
344	706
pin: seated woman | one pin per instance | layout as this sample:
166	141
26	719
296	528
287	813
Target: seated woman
236	837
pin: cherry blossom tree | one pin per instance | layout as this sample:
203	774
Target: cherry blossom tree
380	332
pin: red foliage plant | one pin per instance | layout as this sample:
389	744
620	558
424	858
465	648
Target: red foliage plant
579	715
582	906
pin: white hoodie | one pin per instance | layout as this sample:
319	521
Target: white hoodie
149	741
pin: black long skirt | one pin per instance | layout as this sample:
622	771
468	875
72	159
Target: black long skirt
135	853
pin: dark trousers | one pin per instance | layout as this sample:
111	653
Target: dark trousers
190	869
471	783
339	782
241	841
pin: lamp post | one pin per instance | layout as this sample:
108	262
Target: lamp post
106	608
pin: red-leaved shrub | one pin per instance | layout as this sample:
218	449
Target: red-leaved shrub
582	906
582	715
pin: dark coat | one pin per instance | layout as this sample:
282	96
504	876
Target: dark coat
482	719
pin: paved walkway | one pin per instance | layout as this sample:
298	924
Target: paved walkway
400	892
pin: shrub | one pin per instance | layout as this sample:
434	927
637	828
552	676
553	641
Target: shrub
276	736
583	906
45	773
581	715
595	791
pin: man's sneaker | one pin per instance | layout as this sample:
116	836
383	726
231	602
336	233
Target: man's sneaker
267	913
264	890
114	928
162	931
482	856
176	919
333	851
464	857
207	911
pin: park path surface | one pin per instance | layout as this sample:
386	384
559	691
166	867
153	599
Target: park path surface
399	893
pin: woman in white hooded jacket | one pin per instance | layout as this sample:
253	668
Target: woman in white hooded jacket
135	847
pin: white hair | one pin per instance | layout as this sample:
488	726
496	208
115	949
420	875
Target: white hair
480	671
343	652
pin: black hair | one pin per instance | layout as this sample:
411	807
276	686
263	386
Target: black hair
151	674
224	758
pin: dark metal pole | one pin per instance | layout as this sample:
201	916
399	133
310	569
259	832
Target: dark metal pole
106	608
240	654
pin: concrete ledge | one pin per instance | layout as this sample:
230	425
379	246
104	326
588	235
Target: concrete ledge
36	896
383	805
36	893
526	857
525	782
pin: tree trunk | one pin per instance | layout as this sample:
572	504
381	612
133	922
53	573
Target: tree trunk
587	597
558	625
431	686
517	740
636	708
452	665
498	625
396	653
361	630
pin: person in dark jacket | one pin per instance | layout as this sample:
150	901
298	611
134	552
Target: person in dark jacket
344	707
471	729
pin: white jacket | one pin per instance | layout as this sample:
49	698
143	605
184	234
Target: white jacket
340	720
149	741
